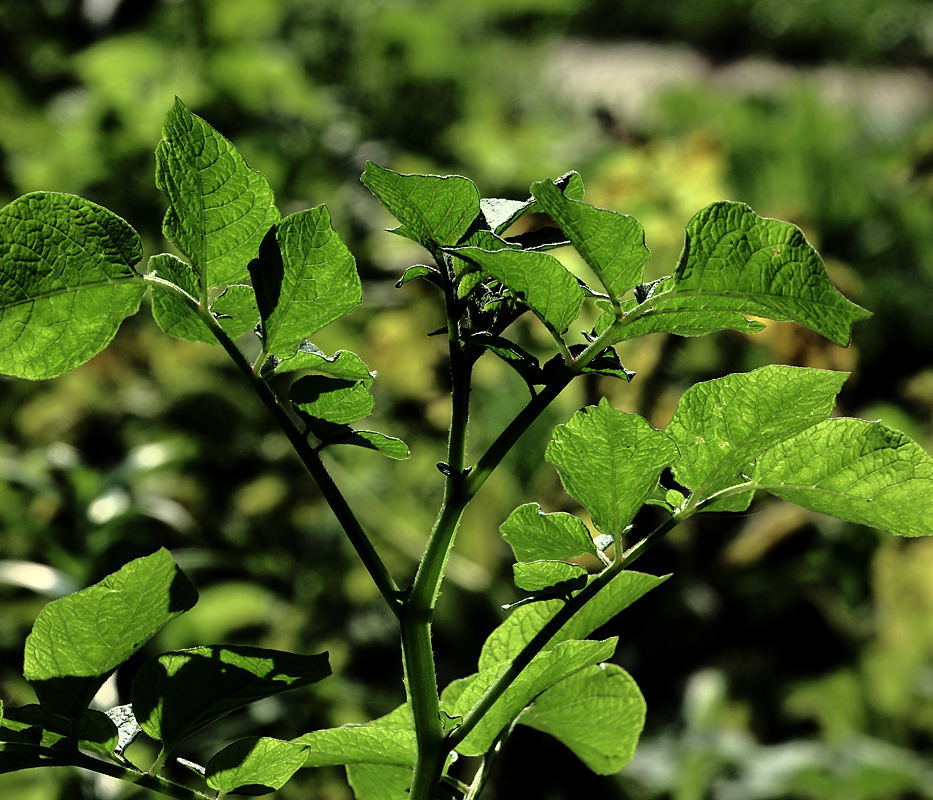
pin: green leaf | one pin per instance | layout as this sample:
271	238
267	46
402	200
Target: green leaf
379	781
535	536
612	244
359	744
342	364
506	641
172	313
430	274
860	471
597	712
304	277
501	214
333	399
722	426
557	576
609	461
545	669
219	208
254	766
66	282
735	263
181	692
94	732
236	310
77	641
433	210
537	279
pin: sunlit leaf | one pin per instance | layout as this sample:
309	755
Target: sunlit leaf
254	766
598	712
77	641
506	641
343	364
860	471
612	244
219	208
333	399
609	461
304	277
359	744
736	263
433	210
534	536
66	282
546	669
721	426
538	279
536	576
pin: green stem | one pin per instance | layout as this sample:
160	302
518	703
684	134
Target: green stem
417	649
551	628
35	755
308	455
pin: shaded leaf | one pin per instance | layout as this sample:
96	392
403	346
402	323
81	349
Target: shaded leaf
78	640
254	766
95	731
721	426
181	692
219	208
66	282
304	278
379	781
860	471
534	535
598	712
609	461
430	274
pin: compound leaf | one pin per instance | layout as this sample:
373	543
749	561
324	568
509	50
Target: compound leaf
183	691
219	208
721	426
172	313
66	282
254	766
500	214
598	712
77	641
860	471
534	535
612	244
304	277
433	210
609	461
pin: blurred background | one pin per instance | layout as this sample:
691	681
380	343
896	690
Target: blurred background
790	656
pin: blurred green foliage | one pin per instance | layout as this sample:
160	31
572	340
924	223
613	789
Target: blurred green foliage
791	655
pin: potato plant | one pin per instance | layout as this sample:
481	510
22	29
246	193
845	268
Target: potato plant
70	274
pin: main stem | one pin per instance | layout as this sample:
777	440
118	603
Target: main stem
417	650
